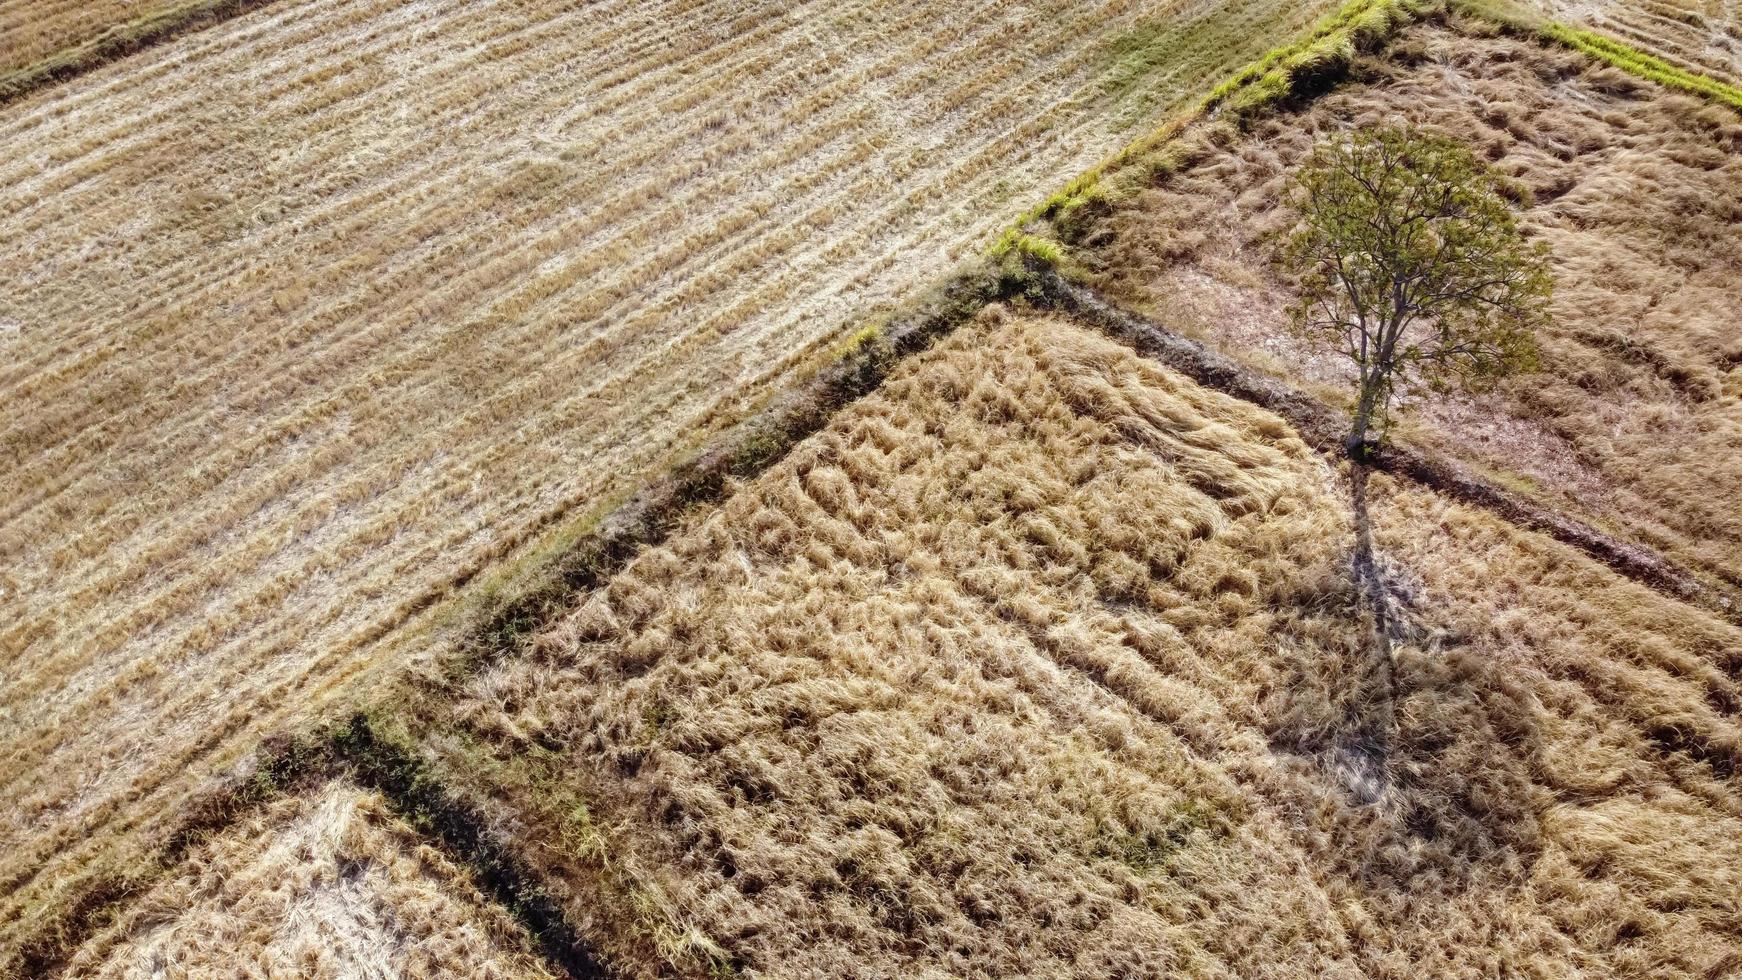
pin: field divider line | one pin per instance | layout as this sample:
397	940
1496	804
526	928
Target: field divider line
120	41
741	452
391	766
433	595
1324	428
363	752
285	761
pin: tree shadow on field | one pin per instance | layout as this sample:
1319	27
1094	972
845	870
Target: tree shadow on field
1454	805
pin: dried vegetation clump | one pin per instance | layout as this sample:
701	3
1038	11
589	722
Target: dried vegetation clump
318	314
326	885
1636	421
1037	661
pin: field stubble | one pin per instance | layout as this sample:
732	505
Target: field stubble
1635	423
1036	662
32	31
1701	35
320	311
326	884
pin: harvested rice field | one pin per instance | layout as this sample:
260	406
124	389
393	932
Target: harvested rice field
1636	422
314	315
388	588
327	884
34	32
1033	663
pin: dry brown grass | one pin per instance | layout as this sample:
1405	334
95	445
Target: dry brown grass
1703	35
32	30
324	885
1637	422
1036	663
313	314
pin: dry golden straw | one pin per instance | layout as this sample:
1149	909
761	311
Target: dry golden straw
1635	423
1038	662
326	885
314	313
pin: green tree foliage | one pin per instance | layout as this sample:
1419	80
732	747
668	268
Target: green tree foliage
1411	265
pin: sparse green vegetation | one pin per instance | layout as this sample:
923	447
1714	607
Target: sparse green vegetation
1318	60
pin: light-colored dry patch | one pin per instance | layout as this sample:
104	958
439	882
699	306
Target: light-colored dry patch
325	885
328	307
1636	423
910	704
1038	662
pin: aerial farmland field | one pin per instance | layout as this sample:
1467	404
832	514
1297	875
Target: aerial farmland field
312	315
522	488
324	885
1638	192
1032	664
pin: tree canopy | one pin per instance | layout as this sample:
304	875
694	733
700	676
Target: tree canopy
1411	265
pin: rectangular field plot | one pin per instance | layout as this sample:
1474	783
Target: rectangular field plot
312	315
1634	422
328	885
1039	662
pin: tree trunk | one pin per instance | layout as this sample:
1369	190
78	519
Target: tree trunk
1378	703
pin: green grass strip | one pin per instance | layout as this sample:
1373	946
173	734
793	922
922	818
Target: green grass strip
1316	60
1636	62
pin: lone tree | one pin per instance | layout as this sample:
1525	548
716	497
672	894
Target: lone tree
1411	266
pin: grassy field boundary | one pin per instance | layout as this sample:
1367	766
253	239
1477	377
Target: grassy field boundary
1640	64
506	621
374	757
1315	63
1284	78
506	616
377	758
1318	61
1605	49
1308	66
1324	428
513	606
120	41
281	765
501	623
